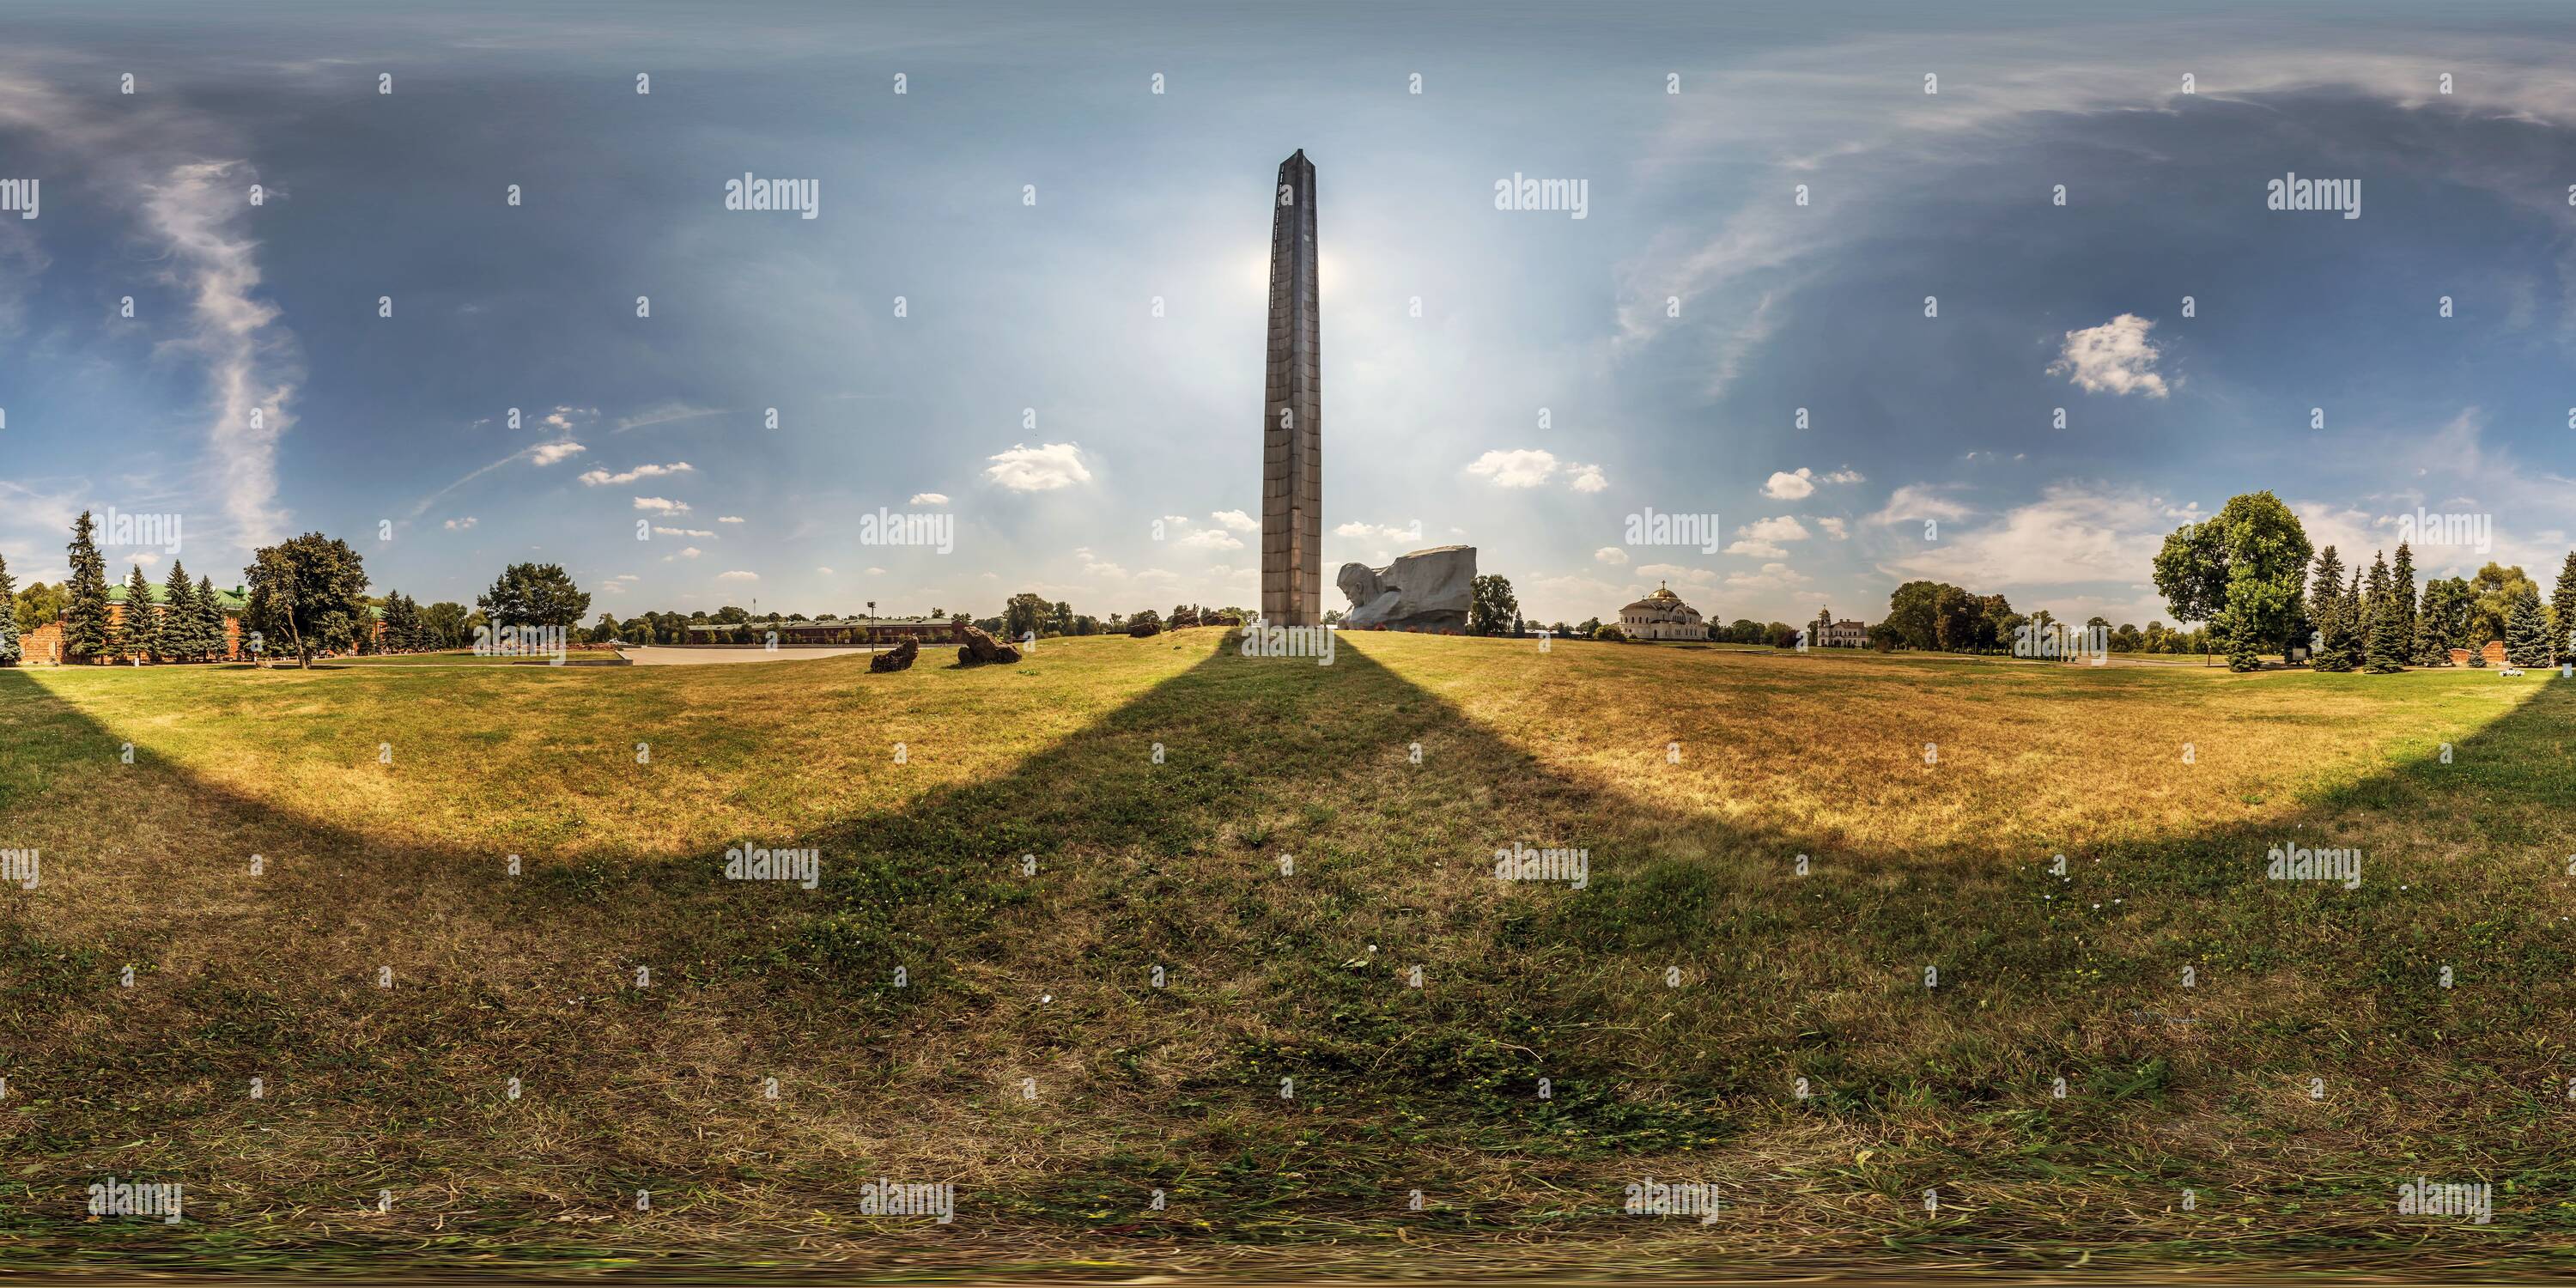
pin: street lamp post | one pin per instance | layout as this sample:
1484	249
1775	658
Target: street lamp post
872	626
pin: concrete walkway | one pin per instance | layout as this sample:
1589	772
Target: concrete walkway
652	655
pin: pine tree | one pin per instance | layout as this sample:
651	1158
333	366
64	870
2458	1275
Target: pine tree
210	620
139	635
9	650
2325	595
179	616
2401	584
2352	618
2562	608
85	615
2526	631
2244	648
2386	649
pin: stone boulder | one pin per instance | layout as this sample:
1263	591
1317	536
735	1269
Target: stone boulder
1427	590
981	648
901	658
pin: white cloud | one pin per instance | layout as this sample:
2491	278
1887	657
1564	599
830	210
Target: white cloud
1586	478
2073	534
1835	528
1916	502
595	478
460	525
1675	573
874	571
549	453
1211	539
1784	528
661	505
1038	469
737	575
1611	555
1358	531
1523	467
2114	358
1844	475
562	418
688	552
1774	576
825	571
660	531
1756	550
1790	487
1237	520
926	498
729	518
1176	520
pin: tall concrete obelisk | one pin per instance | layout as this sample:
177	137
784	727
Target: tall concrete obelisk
1292	412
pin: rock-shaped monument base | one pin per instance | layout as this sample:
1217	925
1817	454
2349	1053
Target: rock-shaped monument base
980	648
900	658
1428	590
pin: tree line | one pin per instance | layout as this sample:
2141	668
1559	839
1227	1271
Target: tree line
2251	573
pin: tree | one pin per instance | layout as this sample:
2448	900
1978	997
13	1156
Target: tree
1491	610
85	617
2527	641
540	595
1025	613
138	633
444	623
2386	650
179	620
39	605
210	620
1590	624
2443	623
2325	607
2401	585
308	593
2562	610
1607	631
2493	591
2243	569
9	650
1061	620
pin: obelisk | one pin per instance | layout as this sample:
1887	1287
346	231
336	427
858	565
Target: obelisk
1292	414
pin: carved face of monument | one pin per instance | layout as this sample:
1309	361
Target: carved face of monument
1360	582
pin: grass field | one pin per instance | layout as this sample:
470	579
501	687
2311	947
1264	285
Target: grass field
1672	1005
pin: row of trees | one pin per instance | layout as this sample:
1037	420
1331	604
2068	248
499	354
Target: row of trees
2247	572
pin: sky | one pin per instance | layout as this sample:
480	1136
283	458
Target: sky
2006	333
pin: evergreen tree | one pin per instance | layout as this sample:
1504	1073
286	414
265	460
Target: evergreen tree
2562	609
179	616
2325	608
85	616
139	635
2433	625
2244	645
2386	648
2526	630
210	621
2401	584
9	649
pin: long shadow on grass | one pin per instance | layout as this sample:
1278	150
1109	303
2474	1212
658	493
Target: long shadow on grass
1260	831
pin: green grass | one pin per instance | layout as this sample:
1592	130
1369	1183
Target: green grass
1693	779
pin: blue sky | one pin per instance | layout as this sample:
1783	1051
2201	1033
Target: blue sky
1561	375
